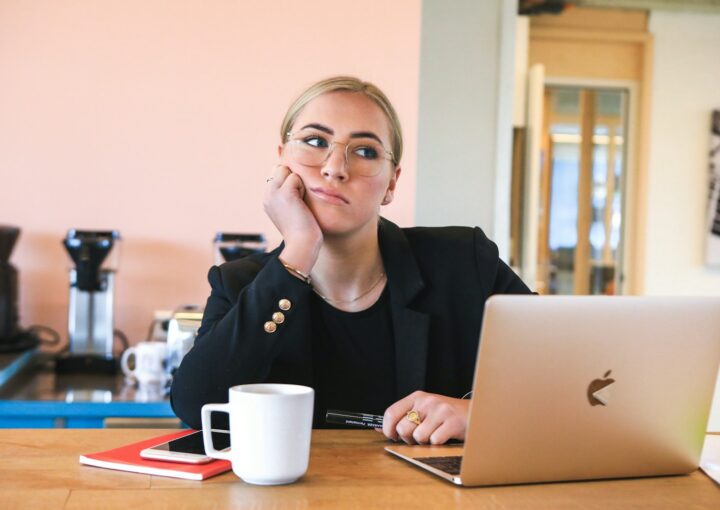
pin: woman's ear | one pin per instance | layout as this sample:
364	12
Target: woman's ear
390	191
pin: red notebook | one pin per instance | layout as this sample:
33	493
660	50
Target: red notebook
127	458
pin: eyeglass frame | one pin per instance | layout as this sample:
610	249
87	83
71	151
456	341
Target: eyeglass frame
347	145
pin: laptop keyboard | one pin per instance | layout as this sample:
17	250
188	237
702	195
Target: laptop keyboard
450	465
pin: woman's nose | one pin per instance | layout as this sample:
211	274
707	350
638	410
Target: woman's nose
335	167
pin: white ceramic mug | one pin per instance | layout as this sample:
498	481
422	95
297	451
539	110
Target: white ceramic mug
150	360
270	430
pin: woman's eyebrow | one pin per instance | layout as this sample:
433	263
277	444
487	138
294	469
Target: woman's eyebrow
319	127
358	134
366	134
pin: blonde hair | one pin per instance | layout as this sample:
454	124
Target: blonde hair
347	84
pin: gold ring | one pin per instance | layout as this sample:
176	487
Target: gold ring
414	417
269	179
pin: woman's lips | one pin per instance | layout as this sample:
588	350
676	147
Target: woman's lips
330	196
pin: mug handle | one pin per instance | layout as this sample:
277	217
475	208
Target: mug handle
210	450
124	361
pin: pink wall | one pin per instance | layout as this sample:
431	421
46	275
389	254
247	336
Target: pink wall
159	118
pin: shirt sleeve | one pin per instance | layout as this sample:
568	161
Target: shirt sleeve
249	334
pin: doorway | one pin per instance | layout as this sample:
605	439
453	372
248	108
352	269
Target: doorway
582	190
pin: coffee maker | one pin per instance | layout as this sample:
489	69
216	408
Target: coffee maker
229	246
90	310
12	337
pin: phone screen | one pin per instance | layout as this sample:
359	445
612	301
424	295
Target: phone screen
193	443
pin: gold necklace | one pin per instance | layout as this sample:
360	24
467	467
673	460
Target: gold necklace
347	302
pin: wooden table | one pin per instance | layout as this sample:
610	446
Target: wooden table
348	469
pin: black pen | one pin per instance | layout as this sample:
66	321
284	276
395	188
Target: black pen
371	421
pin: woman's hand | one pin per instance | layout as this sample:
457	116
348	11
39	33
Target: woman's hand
442	418
284	204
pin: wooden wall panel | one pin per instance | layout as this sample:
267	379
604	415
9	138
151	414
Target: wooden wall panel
596	59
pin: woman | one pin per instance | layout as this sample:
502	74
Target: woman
376	318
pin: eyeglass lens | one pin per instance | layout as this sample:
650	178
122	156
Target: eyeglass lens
363	157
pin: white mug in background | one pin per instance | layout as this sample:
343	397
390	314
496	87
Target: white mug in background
270	430
150	392
181	332
150	361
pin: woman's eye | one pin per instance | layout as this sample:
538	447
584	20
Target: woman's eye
366	152
316	141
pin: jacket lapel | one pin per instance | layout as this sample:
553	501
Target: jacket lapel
410	327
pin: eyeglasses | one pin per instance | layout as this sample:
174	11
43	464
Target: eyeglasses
363	157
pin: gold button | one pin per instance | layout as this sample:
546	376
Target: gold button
278	317
270	327
285	304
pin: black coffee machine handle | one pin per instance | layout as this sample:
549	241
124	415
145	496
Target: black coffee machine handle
9	315
13	338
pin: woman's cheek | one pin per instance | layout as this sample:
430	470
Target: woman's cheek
301	171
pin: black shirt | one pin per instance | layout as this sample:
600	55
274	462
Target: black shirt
354	356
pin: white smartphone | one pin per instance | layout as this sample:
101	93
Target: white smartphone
188	449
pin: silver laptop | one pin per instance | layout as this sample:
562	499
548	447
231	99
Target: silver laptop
577	388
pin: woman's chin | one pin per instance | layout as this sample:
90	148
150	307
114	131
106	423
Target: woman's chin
337	226
339	221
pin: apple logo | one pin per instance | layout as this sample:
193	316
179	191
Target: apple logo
595	393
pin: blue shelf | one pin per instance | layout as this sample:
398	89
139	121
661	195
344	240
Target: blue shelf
54	414
33	395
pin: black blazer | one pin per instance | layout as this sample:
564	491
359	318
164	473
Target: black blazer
439	279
